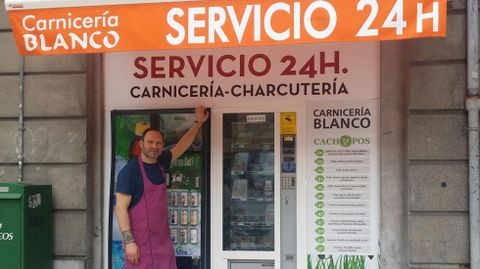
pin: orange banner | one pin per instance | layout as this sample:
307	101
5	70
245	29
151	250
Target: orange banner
218	23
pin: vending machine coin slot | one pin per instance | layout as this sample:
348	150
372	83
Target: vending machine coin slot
288	157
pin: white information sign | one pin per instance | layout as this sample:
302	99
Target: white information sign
343	183
173	78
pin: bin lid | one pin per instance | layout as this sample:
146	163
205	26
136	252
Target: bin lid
10	196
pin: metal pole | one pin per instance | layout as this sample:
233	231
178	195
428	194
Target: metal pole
20	119
472	48
473	107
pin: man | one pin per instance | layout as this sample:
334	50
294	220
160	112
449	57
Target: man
141	199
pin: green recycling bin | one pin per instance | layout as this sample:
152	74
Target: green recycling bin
25	226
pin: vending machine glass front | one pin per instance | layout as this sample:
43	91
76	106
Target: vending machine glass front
248	181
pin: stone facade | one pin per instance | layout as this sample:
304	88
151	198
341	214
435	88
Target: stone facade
437	146
55	138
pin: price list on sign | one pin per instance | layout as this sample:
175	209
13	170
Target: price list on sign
342	170
342	200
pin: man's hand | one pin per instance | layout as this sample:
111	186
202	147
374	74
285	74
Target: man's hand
132	253
201	114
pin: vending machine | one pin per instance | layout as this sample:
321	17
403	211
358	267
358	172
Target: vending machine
248	182
187	182
254	154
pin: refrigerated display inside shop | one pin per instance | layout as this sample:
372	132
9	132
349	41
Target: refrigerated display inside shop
187	181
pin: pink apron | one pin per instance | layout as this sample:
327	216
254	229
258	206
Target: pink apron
150	228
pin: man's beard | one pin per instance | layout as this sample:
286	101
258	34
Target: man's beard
150	154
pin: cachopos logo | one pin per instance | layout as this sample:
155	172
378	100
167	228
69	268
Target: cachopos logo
5	236
344	141
70	32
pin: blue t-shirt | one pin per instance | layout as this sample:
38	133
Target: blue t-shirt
130	179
